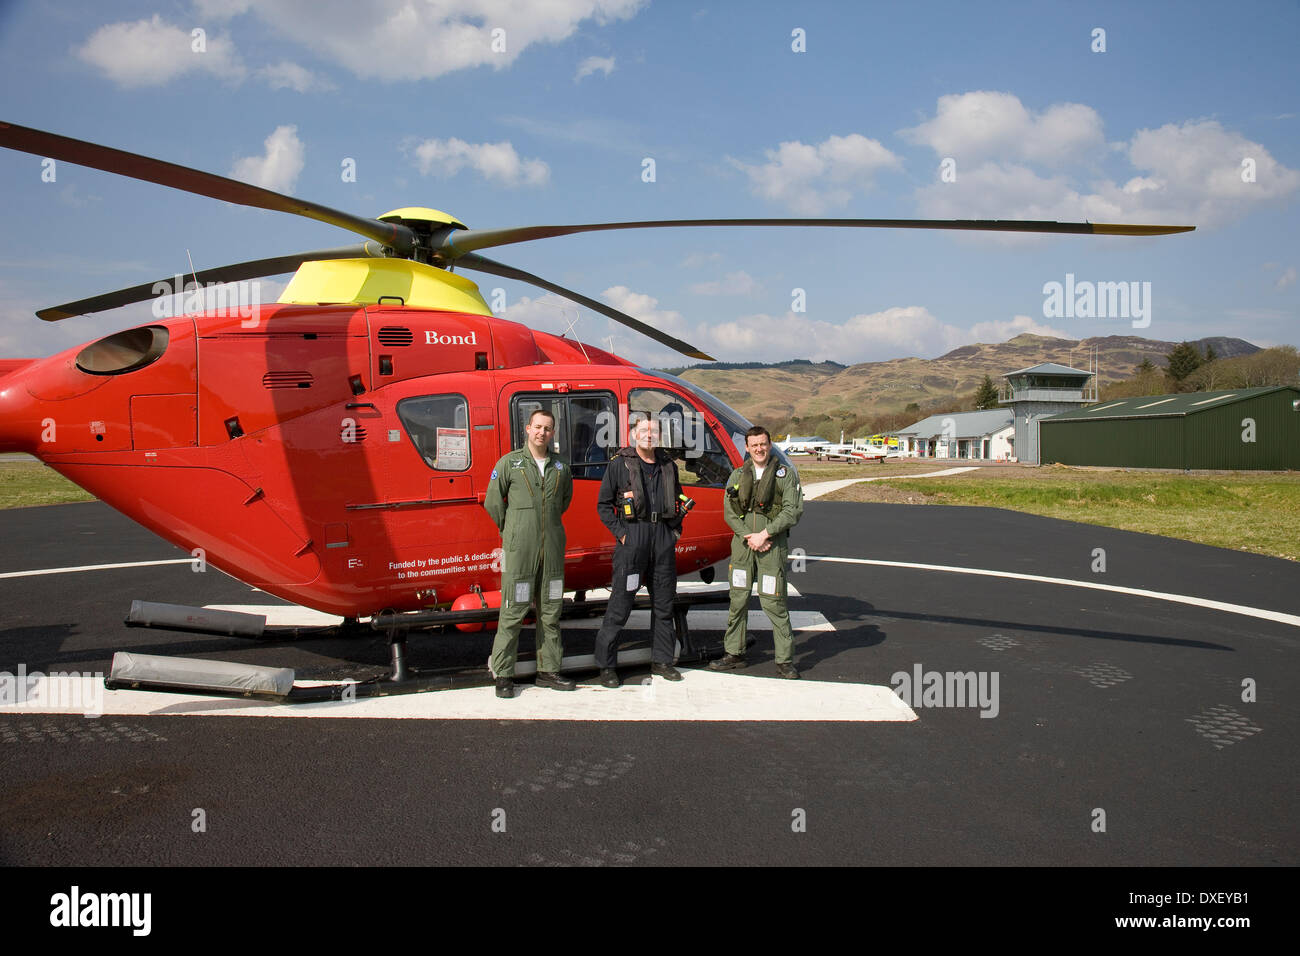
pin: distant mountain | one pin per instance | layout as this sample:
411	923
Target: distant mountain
826	393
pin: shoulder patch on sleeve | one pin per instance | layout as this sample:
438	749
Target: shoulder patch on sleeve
780	472
494	474
559	466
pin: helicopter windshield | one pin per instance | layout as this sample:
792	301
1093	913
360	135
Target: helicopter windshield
735	423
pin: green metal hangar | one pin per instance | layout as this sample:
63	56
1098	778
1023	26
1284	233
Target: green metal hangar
1241	429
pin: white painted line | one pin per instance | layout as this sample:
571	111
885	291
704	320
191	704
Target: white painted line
701	695
819	488
94	567
1292	619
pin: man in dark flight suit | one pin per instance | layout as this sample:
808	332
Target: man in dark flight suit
638	503
527	496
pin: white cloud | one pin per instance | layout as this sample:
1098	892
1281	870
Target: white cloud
878	336
279	166
1180	174
222	9
493	161
288	75
428	39
697	259
548	313
895	332
984	124
734	283
639	348
593	63
811	178
994	191
1000	331
152	52
402	40
71	195
1285	279
644	307
891	333
552	313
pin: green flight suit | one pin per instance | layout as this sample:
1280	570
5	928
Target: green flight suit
528	509
777	517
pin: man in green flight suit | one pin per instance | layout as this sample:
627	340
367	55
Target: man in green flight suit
527	495
764	501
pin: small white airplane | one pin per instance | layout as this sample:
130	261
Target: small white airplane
810	445
860	449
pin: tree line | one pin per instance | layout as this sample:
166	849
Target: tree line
1188	369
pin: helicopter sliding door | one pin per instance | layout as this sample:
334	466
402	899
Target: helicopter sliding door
586	435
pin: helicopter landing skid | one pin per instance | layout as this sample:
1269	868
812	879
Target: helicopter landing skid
397	626
216	678
276	685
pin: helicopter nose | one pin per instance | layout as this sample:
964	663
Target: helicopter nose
20	423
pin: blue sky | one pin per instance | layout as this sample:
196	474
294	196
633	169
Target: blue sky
557	128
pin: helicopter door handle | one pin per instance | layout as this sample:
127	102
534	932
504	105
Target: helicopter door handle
361	405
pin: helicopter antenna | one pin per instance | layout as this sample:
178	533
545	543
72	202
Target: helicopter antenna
569	328
195	275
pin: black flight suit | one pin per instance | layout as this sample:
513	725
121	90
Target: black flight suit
640	501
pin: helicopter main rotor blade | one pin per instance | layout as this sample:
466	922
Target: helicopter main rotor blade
255	269
40	143
474	261
468	240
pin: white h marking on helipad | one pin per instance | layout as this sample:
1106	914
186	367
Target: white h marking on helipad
700	695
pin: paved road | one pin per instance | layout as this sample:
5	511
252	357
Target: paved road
1112	710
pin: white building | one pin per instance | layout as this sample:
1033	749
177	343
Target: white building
987	435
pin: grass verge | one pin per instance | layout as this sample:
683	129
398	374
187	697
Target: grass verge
26	483
1259	513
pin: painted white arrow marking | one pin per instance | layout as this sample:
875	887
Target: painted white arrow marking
819	488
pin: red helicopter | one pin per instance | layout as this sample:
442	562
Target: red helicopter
333	449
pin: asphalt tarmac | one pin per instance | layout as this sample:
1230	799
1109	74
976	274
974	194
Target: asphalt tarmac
1125	729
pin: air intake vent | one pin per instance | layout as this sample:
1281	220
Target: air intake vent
352	434
395	336
287	380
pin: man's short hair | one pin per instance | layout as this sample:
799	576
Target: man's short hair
541	411
755	432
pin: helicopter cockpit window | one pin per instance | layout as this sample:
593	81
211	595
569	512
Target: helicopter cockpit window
586	427
685	433
124	351
438	426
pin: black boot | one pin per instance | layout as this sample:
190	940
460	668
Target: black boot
554	681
